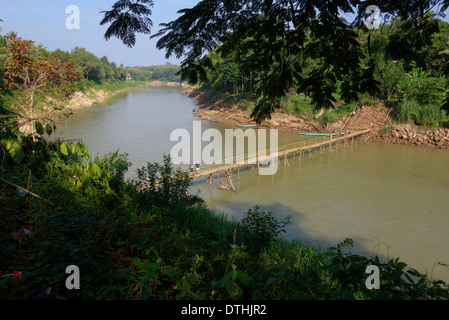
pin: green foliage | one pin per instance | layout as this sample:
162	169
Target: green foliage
261	228
296	103
420	86
386	129
166	72
266	55
328	117
425	115
128	18
320	56
161	185
390	74
396	281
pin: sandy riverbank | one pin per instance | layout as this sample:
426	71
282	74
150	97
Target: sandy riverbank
374	117
81	100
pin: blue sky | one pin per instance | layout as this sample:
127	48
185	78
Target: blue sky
44	21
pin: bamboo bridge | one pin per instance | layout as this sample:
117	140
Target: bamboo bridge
224	172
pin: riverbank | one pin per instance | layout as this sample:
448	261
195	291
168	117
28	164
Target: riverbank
87	98
376	117
93	96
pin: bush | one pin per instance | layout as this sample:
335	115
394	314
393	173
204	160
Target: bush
261	228
328	117
407	111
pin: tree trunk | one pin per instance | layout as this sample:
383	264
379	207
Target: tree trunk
251	82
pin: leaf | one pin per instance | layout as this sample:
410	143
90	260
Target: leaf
242	255
82	150
274	280
257	295
48	129
218	258
9	144
71	147
246	279
16	151
96	171
39	128
232	288
234	272
63	149
138	263
153	266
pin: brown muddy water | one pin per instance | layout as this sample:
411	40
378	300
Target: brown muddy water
392	200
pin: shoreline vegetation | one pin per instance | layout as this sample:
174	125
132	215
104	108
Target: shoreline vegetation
376	115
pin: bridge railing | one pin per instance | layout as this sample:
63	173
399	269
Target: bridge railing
253	157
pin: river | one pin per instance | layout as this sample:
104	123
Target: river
392	200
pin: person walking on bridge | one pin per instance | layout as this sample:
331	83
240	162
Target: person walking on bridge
197	168
191	167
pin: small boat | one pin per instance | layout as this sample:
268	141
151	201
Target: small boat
317	134
214	120
245	126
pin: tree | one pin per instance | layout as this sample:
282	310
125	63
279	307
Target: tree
108	68
390	74
35	77
92	68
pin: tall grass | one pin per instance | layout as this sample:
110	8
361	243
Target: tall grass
291	255
296	103
421	114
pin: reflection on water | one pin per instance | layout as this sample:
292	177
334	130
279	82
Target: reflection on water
391	200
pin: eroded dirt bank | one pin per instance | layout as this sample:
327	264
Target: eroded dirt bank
378	118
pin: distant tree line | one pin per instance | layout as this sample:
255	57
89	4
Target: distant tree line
166	72
92	68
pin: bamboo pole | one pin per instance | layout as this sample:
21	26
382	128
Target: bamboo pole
230	182
25	190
